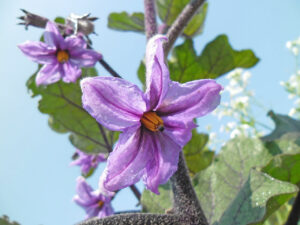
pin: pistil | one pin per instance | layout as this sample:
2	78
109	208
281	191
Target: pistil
62	56
152	121
100	204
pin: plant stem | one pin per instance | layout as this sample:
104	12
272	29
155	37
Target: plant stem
185	198
108	68
179	24
294	216
136	192
150	18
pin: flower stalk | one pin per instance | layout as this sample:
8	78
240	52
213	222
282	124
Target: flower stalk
150	18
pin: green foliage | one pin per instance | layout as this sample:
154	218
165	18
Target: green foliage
126	22
217	58
60	20
280	216
62	102
4	220
196	154
157	203
232	190
283	124
168	10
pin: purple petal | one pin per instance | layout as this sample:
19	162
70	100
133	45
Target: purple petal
127	162
48	74
71	72
53	37
75	42
187	101
84	197
39	52
84	57
179	131
107	210
157	73
164	161
113	102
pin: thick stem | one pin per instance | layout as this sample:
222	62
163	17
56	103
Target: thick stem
179	24
138	219
150	18
294	216
185	198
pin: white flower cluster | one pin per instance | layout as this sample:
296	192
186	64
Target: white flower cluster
294	46
292	86
237	108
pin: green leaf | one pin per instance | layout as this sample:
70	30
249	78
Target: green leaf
283	124
60	20
142	74
197	155
126	22
230	175
157	203
216	59
259	193
168	10
279	216
4	220
62	102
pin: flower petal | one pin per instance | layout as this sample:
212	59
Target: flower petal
126	164
84	57
39	52
84	196
75	42
107	210
53	37
187	101
157	73
48	74
71	72
164	161
113	102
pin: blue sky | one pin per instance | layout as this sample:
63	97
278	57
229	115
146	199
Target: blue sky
37	183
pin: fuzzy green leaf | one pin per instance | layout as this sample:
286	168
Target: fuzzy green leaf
4	220
126	22
217	58
62	102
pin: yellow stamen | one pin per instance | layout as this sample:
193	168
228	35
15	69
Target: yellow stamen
62	56
100	204
152	121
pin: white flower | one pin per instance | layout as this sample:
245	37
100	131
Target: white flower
288	44
295	51
292	112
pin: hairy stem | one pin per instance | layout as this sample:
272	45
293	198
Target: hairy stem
185	198
294	216
138	219
179	24
136	192
150	18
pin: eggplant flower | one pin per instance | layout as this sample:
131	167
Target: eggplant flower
62	58
87	161
94	202
155	125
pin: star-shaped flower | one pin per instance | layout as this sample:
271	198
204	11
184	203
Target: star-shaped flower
94	202
62	58
87	161
155	125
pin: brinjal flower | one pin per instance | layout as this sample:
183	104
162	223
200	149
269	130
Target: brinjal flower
87	161
94	202
62	58
155	125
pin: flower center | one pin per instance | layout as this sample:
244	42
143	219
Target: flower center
152	121
100	204
62	56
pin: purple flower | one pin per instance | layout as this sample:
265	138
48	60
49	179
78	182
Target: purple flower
155	125
86	161
62	58
94	202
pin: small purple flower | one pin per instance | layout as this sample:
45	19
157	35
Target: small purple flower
62	58
87	161
155	125
94	202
